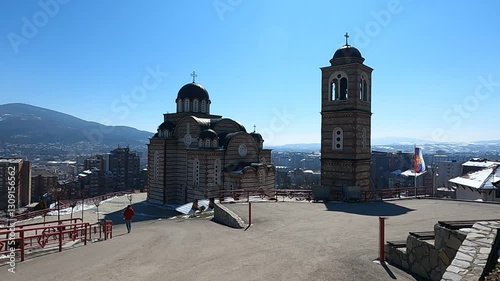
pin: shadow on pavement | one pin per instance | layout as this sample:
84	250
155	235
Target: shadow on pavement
378	208
143	212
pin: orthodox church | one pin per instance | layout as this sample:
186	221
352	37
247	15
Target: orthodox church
196	154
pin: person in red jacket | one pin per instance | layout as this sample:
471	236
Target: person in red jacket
128	214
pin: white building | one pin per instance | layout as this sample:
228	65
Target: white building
479	185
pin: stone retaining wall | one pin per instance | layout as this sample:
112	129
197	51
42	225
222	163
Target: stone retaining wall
424	259
474	253
227	217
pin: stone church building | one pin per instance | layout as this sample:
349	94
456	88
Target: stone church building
196	154
346	120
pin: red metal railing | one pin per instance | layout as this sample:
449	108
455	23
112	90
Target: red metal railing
32	214
66	204
307	194
19	239
23	238
242	194
103	228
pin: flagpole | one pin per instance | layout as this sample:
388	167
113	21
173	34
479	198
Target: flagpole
415	167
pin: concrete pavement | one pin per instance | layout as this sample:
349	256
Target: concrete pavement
288	241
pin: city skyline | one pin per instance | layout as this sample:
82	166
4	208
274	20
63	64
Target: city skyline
435	65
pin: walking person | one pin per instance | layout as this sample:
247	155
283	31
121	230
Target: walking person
128	214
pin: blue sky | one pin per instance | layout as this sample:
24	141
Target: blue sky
436	63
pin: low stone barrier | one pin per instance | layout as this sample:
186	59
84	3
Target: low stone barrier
227	217
474	253
424	259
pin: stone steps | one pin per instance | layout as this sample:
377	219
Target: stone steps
397	244
424	235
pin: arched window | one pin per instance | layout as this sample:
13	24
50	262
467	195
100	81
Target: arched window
179	106
215	143
200	143
363	90
366	91
338	139
334	89
195	105
207	143
217	172
338	86
204	106
196	172
208	107
343	89
186	105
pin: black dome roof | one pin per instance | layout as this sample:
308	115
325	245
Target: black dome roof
257	137
347	51
208	133
167	125
193	91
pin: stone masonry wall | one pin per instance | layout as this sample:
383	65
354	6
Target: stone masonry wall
424	259
227	217
473	254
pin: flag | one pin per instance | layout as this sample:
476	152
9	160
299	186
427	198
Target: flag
419	160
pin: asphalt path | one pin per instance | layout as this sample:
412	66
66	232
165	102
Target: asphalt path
287	241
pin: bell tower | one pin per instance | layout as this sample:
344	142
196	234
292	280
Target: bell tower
346	120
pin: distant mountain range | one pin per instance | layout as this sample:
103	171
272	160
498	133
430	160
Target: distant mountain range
23	123
407	145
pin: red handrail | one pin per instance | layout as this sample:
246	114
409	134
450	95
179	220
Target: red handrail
19	239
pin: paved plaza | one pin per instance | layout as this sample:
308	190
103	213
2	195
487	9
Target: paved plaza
287	241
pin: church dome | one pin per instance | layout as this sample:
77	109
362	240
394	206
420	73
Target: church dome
167	125
347	54
257	137
208	133
347	51
193	91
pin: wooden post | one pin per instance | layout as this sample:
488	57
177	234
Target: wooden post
85	235
249	213
381	221
60	237
21	243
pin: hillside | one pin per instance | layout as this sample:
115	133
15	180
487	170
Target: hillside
22	123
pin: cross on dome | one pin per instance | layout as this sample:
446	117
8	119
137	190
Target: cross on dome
194	75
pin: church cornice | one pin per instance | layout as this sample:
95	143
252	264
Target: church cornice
345	159
346	66
347	110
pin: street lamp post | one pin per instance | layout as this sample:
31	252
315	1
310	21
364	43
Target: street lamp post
58	205
83	201
97	203
73	205
129	197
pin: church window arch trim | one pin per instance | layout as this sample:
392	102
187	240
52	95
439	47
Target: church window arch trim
203	106
363	88
338	86
179	105
338	139
195	105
